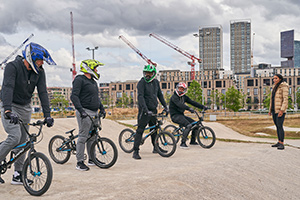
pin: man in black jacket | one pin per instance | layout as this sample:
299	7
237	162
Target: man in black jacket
148	92
177	108
21	77
85	97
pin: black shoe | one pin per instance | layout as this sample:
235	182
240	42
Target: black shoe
276	145
1	180
194	143
183	146
91	162
136	155
81	166
280	146
17	179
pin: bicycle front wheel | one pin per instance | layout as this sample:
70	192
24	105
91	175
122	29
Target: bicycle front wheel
59	151
37	174
174	130
126	140
206	137
104	152
165	144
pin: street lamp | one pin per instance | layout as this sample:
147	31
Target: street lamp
92	49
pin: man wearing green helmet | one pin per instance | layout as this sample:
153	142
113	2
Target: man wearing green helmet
85	97
148	92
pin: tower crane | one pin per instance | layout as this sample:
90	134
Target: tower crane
176	48
137	51
73	70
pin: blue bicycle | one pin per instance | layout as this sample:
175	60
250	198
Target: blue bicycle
37	170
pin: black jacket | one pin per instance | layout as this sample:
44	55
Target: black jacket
148	94
85	94
19	84
177	104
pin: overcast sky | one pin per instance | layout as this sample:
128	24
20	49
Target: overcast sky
99	23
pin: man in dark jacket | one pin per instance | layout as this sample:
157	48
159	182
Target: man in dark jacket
177	108
21	76
85	97
148	92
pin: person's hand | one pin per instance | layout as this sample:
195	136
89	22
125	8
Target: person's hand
191	110
280	113
83	114
269	114
166	111
103	113
49	121
14	119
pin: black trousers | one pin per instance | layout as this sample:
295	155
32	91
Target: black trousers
143	121
185	121
278	121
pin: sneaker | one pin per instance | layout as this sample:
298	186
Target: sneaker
91	163
276	145
194	143
81	166
184	146
280	146
1	180
17	179
136	155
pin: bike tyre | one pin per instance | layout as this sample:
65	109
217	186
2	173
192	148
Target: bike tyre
125	135
161	145
62	156
172	129
201	138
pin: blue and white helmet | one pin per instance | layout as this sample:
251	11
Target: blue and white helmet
34	52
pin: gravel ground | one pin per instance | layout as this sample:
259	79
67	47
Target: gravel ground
227	171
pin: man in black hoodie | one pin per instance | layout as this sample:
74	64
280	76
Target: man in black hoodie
148	92
177	108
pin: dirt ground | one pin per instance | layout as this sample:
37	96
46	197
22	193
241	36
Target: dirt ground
226	171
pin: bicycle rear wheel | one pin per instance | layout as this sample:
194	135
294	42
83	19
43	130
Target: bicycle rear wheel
174	130
59	151
126	140
165	144
37	174
104	152
206	137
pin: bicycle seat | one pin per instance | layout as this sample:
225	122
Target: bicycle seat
71	131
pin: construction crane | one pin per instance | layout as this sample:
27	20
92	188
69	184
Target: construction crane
15	51
192	57
137	51
73	70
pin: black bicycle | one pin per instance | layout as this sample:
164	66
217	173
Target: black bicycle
103	151
165	143
37	170
205	135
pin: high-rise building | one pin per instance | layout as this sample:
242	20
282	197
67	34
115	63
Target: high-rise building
240	46
290	49
211	47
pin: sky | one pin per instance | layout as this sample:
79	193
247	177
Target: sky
100	23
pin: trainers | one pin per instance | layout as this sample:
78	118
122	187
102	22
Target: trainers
194	143
91	163
17	179
276	145
183	146
81	166
280	146
1	180
136	155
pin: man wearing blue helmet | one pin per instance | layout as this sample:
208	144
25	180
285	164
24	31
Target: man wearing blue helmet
20	78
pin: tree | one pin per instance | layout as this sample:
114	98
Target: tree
195	91
266	101
167	98
216	97
234	99
59	101
124	101
298	97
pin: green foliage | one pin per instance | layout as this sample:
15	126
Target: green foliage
298	97
195	91
124	101
216	97
167	98
234	99
59	101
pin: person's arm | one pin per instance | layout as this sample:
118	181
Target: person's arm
141	96
285	94
161	97
8	86
43	93
175	99
76	88
194	103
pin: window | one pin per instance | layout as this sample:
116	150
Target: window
218	84
120	87
119	94
250	82
223	91
208	92
164	86
267	82
205	84
255	91
248	91
127	86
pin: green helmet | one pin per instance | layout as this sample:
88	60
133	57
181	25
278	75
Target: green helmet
151	69
89	66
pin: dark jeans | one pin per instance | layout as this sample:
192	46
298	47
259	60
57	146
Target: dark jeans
185	121
143	120
278	121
